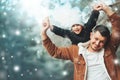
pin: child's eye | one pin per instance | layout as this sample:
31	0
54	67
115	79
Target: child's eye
96	38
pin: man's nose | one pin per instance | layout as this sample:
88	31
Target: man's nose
97	42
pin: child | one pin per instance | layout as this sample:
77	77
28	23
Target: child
78	32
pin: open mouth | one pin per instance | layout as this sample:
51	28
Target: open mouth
77	30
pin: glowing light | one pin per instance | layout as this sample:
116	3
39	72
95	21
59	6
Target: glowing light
11	56
36	69
51	75
8	75
3	58
34	9
32	39
37	41
116	9
64	73
21	74
16	68
4	36
116	61
4	13
17	32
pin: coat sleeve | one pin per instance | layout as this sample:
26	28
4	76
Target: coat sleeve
90	25
75	39
61	32
115	35
91	21
58	52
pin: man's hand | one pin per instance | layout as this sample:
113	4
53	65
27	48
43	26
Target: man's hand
97	7
107	9
104	7
45	26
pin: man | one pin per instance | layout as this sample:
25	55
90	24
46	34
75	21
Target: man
78	32
93	60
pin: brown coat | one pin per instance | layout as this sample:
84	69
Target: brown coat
71	53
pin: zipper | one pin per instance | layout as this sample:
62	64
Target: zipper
85	67
106	70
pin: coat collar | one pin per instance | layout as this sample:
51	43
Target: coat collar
83	48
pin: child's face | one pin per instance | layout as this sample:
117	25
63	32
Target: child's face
76	29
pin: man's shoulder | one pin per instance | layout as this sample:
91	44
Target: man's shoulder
85	44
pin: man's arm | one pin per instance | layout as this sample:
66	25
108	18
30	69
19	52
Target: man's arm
115	35
58	31
58	52
52	49
115	21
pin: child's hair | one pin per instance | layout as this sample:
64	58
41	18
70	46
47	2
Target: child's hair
76	25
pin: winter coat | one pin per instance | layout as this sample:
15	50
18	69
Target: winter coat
85	33
71	53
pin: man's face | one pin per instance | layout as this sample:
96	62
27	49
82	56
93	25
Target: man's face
97	41
77	29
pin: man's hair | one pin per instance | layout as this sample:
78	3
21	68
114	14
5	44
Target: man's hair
104	31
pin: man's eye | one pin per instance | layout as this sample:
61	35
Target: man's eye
96	38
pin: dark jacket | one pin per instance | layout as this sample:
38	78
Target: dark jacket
85	33
71	53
